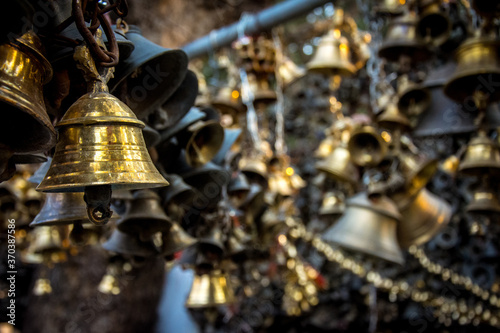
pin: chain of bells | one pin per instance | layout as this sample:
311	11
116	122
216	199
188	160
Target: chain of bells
446	310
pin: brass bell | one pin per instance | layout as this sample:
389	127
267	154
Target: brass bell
261	90
235	248
333	203
401	40
145	216
390	7
238	189
413	97
231	136
289	72
100	148
368	226
332	57
422	219
477	68
24	72
228	102
206	178
367	147
47	240
178	105
126	244
484	201
175	240
62	208
194	114
487	8
150	75
481	156
433	26
205	141
339	166
255	168
392	118
209	290
212	242
178	192
417	170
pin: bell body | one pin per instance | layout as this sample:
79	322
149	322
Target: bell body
485	201
63	208
152	73
333	204
261	90
391	118
47	240
477	62
339	166
205	141
290	72
413	97
366	146
422	219
100	143
178	192
175	240
332	57
481	156
402	40
417	170
23	72
433	26
368	226
209	290
229	103
126	244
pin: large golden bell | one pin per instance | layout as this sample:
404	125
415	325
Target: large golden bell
481	156
367	147
145	216
100	143
401	40
422	219
210	290
175	240
23	73
484	201
433	26
339	166
63	208
368	226
477	70
332	57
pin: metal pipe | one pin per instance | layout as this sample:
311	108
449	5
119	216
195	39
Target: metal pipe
250	25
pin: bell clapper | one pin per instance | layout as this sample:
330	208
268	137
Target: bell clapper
98	199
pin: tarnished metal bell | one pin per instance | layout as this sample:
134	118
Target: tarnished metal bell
289	72
392	118
150	75
433	27
332	56
204	143
368	226
213	241
63	208
339	166
478	70
487	8
145	216
422	219
175	240
209	290
194	114
208	180
401	40
413	97
178	105
417	170
481	156
254	203
333	203
484	201
126	244
444	116
100	143
255	168
178	192
47	240
366	146
23	73
262	92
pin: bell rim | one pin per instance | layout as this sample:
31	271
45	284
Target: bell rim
350	177
58	188
451	87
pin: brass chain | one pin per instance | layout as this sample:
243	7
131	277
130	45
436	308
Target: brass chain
447	310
